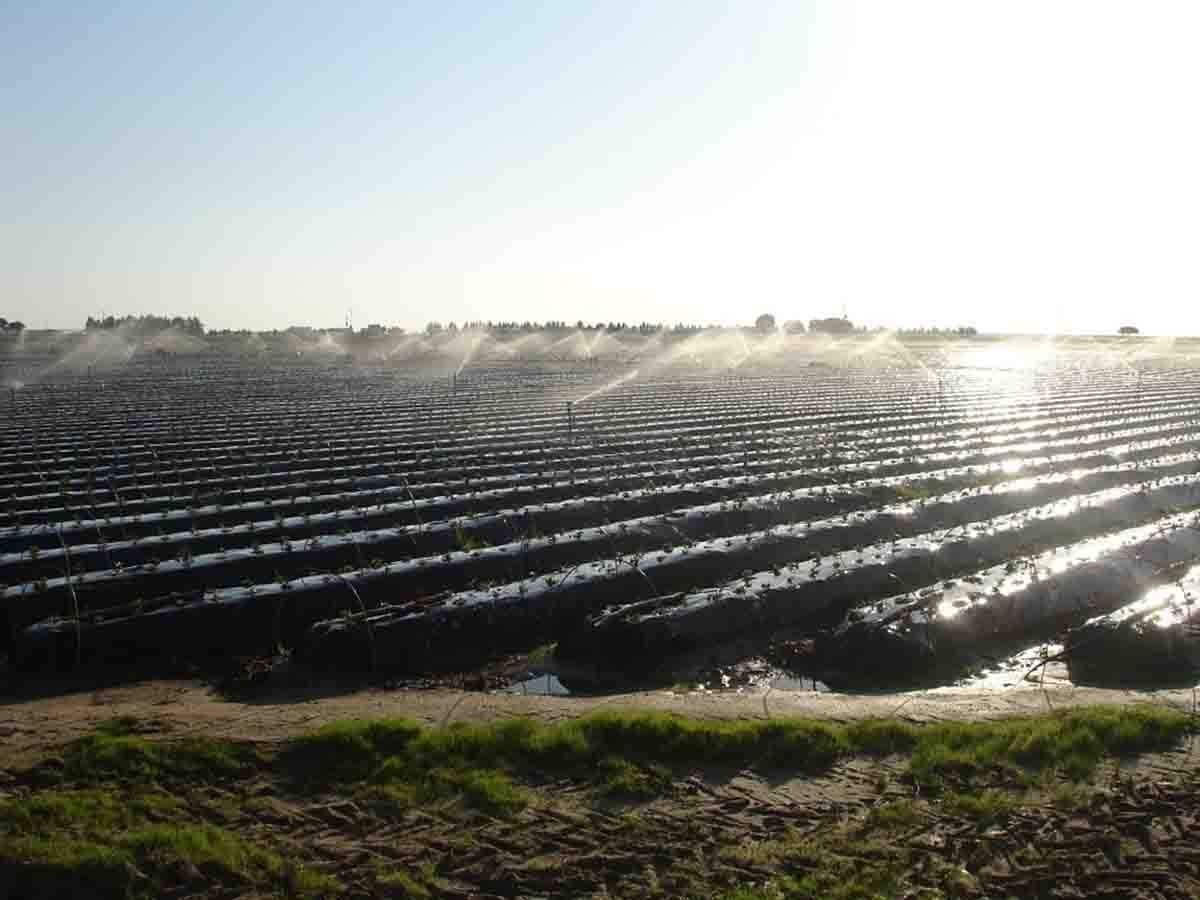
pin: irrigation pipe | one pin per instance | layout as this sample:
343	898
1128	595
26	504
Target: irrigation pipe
413	500
636	566
358	551
74	599
366	620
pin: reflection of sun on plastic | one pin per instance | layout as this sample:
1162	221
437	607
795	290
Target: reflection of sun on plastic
1012	356
1004	370
1012	466
1166	618
1061	565
948	610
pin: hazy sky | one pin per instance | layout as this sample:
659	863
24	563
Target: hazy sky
1013	165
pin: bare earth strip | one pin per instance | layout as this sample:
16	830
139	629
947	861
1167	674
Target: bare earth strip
33	718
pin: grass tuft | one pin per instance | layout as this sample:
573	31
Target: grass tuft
542	654
622	778
894	814
123	845
347	751
983	807
623	744
112	754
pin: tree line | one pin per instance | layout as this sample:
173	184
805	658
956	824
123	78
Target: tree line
558	325
147	324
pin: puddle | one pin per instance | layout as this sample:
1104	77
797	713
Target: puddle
546	685
781	681
752	676
1014	672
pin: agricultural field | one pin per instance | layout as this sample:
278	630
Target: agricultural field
624	509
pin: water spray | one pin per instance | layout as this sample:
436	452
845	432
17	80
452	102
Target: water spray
615	383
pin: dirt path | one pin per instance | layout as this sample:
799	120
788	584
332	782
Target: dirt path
34	717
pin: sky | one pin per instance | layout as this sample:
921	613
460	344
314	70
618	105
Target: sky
1017	166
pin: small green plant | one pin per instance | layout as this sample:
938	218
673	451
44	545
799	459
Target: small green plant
622	778
984	806
542	655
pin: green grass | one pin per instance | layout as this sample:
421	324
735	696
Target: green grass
894	814
486	789
982	806
865	859
406	885
361	750
123	844
840	866
913	492
95	807
115	752
627	746
543	654
622	778
110	814
115	813
467	542
1071	743
1070	796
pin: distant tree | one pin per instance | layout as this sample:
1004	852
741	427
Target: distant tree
831	326
143	325
794	326
433	328
16	326
765	323
1127	329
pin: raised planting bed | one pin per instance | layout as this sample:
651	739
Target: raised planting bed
940	625
1153	640
641	634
